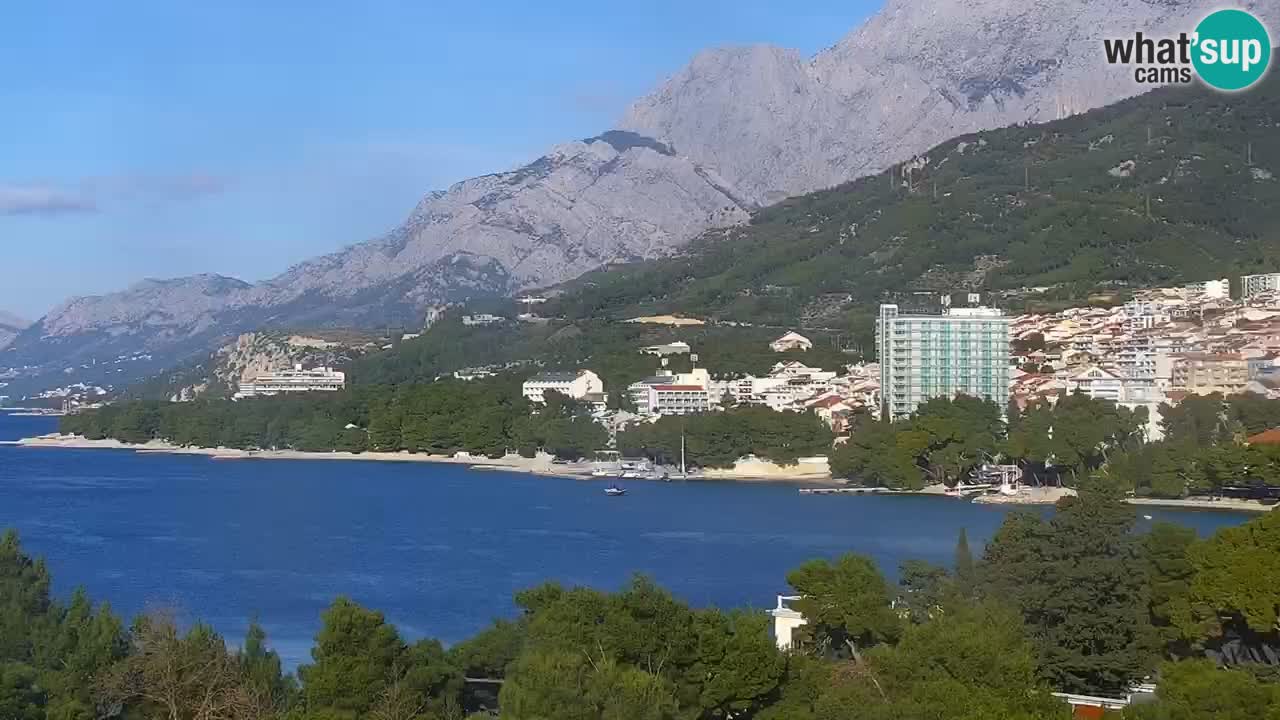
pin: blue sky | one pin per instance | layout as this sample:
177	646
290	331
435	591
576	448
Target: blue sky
157	139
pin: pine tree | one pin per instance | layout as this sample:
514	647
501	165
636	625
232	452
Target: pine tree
964	561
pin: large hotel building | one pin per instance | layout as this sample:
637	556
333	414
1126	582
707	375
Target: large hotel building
964	351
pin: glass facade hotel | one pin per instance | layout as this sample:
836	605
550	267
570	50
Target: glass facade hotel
962	352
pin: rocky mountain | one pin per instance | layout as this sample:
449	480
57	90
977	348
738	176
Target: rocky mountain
735	130
10	326
1172	187
776	124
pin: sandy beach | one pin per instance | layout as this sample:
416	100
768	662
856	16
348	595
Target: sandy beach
746	470
542	464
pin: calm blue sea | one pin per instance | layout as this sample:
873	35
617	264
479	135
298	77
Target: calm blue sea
438	548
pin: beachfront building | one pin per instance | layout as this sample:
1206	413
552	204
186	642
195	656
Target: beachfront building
1251	285
577	384
669	393
321	379
964	351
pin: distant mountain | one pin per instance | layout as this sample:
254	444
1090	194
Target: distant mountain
617	197
10	326
736	130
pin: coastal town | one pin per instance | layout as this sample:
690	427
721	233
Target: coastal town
1156	349
1144	354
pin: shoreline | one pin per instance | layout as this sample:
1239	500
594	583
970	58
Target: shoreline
540	465
1223	504
543	465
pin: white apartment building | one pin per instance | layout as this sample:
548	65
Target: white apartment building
1251	285
1210	289
576	384
670	393
964	351
1108	383
786	387
1143	315
321	379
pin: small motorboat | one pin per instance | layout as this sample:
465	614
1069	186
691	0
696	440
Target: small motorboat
1146	517
614	490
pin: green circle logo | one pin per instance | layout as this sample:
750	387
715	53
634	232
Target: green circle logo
1232	50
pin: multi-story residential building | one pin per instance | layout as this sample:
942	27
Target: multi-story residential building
579	384
1251	285
1209	289
964	351
786	387
1109	383
1261	363
289	381
670	393
1205	373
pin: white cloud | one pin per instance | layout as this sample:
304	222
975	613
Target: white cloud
94	193
42	200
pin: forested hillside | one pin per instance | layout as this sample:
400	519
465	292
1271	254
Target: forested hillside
1177	185
611	349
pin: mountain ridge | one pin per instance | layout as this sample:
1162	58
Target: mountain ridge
735	130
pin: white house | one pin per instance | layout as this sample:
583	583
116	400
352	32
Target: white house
577	384
785	621
791	341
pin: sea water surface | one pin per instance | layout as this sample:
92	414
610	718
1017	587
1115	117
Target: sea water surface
440	549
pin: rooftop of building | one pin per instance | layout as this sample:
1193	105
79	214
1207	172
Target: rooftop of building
1266	437
557	376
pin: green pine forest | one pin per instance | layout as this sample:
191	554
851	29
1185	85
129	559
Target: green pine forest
1180	184
1078	602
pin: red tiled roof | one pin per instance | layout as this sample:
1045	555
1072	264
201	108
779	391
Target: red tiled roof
828	402
1266	437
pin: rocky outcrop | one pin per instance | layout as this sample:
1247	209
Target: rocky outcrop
251	355
10	326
